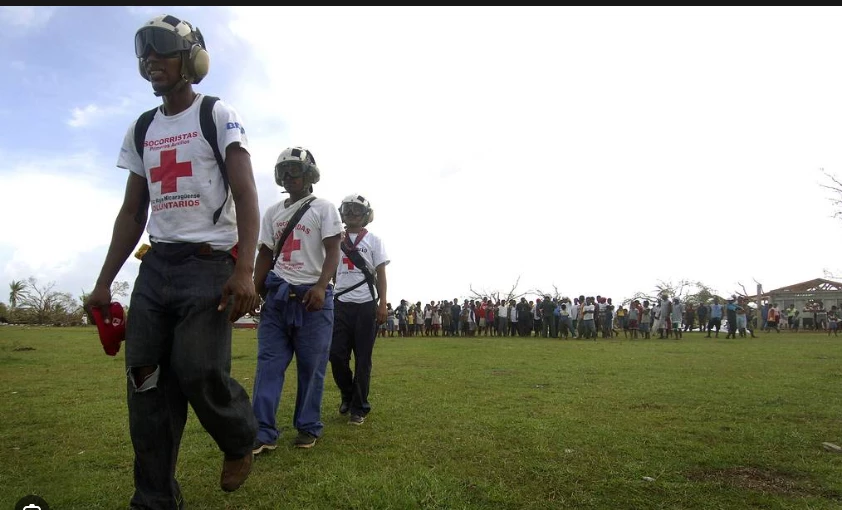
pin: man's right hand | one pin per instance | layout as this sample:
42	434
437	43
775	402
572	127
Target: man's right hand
100	297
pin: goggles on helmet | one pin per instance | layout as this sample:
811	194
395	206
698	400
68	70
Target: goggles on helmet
353	209
294	169
164	42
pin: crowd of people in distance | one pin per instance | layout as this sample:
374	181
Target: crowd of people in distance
590	317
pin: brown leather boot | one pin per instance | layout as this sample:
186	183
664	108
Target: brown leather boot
235	472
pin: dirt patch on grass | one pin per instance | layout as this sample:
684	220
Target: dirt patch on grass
764	480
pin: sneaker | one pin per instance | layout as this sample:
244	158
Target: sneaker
304	440
260	447
344	407
235	472
356	419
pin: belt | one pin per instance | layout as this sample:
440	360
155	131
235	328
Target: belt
204	249
179	251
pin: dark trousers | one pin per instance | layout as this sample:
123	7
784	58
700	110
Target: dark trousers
714	322
174	327
732	324
354	331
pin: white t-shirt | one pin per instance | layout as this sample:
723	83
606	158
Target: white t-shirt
587	312
303	254
185	183
347	274
502	311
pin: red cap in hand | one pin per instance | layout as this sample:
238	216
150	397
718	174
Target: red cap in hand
113	331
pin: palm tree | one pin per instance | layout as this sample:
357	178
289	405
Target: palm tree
16	291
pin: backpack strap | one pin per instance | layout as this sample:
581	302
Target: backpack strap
140	129
209	131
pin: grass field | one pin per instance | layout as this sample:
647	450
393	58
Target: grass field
486	423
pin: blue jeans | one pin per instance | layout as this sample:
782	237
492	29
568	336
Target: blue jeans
287	329
174	327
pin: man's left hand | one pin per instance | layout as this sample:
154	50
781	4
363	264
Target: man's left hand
314	298
240	287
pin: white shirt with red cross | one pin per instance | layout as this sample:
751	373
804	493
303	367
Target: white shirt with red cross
303	253
347	275
185	183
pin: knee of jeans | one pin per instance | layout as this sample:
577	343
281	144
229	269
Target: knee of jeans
144	378
197	379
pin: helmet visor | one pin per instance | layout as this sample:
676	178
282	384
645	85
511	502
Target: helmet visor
164	42
293	169
353	209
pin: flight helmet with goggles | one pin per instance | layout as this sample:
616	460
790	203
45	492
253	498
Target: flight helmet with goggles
169	36
297	162
356	205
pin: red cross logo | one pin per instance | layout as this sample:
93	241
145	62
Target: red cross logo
169	171
290	245
347	262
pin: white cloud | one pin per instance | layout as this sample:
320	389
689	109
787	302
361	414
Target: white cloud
26	17
57	223
93	114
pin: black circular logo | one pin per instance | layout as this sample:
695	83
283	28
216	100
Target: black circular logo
32	502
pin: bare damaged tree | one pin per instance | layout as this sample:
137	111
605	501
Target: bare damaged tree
45	304
687	291
832	275
496	296
555	294
836	188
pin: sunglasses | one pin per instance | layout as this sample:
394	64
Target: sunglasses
165	43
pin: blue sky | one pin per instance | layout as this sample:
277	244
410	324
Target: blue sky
594	150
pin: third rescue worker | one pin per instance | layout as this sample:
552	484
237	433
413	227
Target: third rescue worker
357	311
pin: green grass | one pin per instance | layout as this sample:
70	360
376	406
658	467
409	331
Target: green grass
487	423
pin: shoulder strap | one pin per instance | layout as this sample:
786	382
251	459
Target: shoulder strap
357	259
290	225
209	132
140	129
349	289
208	127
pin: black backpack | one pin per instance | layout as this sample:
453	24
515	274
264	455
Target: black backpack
208	131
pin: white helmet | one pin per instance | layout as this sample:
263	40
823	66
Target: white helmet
298	162
167	35
358	205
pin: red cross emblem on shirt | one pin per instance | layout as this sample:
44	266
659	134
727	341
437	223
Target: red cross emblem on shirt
347	262
169	171
290	245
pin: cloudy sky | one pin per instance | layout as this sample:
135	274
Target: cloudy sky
589	150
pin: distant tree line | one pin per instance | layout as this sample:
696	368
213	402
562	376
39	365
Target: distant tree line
31	302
